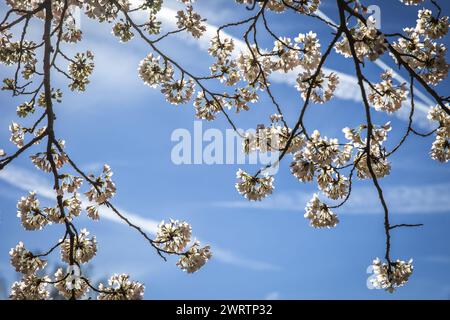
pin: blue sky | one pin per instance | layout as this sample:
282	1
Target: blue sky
263	250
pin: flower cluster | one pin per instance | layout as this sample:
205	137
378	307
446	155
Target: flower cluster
412	2
254	67
378	160
440	149
70	284
24	261
432	27
173	236
319	86
390	277
84	248
31	287
368	42
191	21
80	69
304	6
17	134
309	50
224	68
55	95
221	48
122	31
194	258
71	183
421	52
120	287
242	97
153	73
207	108
178	91
319	214
12	52
273	138
322	157
41	161
286	55
104	187
387	97
30	214
253	188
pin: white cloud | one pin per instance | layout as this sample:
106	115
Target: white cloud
441	259
29	181
230	257
347	89
274	295
423	199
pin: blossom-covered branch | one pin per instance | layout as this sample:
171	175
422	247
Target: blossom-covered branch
244	74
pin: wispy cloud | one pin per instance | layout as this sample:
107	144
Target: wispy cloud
30	181
424	199
274	295
441	259
347	89
229	257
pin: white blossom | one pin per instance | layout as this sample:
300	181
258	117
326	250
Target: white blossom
254	67
120	287
40	160
221	48
321	150
30	214
93	212
302	169
191	21
253	188
321	87
31	287
80	68
303	7
17	134
319	214
333	184
173	236
70	284
84	248
205	108
105	187
194	258
440	149
153	72
391	277
368	42
431	26
412	2
286	55
179	91
425	55
24	261
71	183
387	97
122	31
309	46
